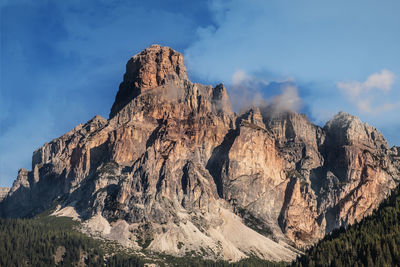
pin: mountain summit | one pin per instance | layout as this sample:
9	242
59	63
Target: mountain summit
153	67
174	170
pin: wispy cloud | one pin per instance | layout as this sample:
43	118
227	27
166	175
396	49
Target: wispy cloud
296	38
382	81
288	100
248	91
367	95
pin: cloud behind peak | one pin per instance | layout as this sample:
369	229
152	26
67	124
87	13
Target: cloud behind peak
367	95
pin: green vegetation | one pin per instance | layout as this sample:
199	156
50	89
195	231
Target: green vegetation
35	242
200	262
180	245
375	241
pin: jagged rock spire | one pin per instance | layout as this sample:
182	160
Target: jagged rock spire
155	66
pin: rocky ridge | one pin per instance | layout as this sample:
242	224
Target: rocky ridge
174	170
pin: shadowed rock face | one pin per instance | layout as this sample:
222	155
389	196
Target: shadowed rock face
173	162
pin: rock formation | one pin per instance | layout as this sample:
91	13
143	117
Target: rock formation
3	192
174	170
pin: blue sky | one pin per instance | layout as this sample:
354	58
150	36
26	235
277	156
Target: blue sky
62	61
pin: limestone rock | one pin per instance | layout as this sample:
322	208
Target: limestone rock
174	169
153	67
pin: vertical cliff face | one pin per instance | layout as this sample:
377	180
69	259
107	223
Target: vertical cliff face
362	166
174	170
339	174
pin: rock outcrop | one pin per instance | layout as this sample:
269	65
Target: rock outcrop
174	170
3	192
153	67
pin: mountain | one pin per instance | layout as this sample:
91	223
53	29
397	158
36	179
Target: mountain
375	241
174	170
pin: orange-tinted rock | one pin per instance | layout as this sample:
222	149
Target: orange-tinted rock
3	192
173	154
153	67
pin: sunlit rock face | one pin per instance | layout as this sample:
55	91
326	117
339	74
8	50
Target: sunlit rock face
173	170
153	67
3	192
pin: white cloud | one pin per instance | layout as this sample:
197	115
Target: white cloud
240	77
380	80
288	100
367	95
247	91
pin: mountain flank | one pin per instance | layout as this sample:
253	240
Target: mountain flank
174	170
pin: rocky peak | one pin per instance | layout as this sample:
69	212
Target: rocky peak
155	66
346	129
220	99
155	87
173	165
3	192
288	126
22	180
253	117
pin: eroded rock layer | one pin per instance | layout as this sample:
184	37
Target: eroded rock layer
174	170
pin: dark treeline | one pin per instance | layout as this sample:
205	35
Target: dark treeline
34	242
375	241
199	262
